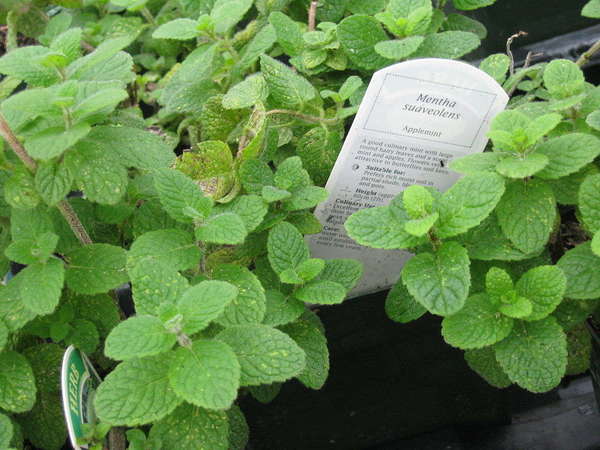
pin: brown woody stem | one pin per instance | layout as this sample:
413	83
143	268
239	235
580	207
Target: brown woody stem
63	206
312	15
587	56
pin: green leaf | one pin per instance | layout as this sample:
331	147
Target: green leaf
53	181
41	286
132	147
167	248
227	13
545	287
568	154
207	374
591	9
101	102
44	425
178	194
101	310
226	228
582	269
571	313
238	429
4	335
178	29
305	198
153	284
589	203
19	190
346	272
17	384
271	194
265	393
468	5
83	335
52	142
266	355
23	64
478	162
530	229
250	208
593	120
31	251
400	49
286	87
520	308
289	34
483	361
522	166
250	304
281	309
467	203
286	247
99	174
566	189
319	149
447	44
322	292
106	63
420	227
378	228
310	268
291	176
203	303
496	66
138	337
541	126
440	281
259	45
595	244
246	93
459	22
535	355
478	324
12	310
400	306
563	78
6	431
310	339
358	36
96	268
192	428
136	392
417	201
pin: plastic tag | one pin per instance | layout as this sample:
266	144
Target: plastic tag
415	118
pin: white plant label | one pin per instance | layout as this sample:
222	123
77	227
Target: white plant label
415	118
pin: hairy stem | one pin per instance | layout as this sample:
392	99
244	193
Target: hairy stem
116	439
63	206
587	56
305	117
11	32
312	15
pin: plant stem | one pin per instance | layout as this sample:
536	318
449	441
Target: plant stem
11	32
116	439
148	16
587	56
63	206
301	116
312	15
509	51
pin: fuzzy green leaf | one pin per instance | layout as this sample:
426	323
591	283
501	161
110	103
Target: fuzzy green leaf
250	208
17	384
250	304
522	166
589	203
483	361
53	182
246	93
286	247
207	374
138	337
478	324
227	13
281	309
496	66
178	29
467	203
468	5
178	194
400	306
136	392
96	268
289	34
447	44
400	49
582	269
226	228
591	9
563	78
192	428
41	286
358	36
478	162
203	303
266	355
322	292
167	248
568	154
310	339
545	287
530	229
535	354
286	87
153	284
52	142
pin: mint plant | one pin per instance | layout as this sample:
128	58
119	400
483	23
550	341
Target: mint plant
497	255
177	148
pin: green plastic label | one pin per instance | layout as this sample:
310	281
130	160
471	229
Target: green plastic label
79	381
